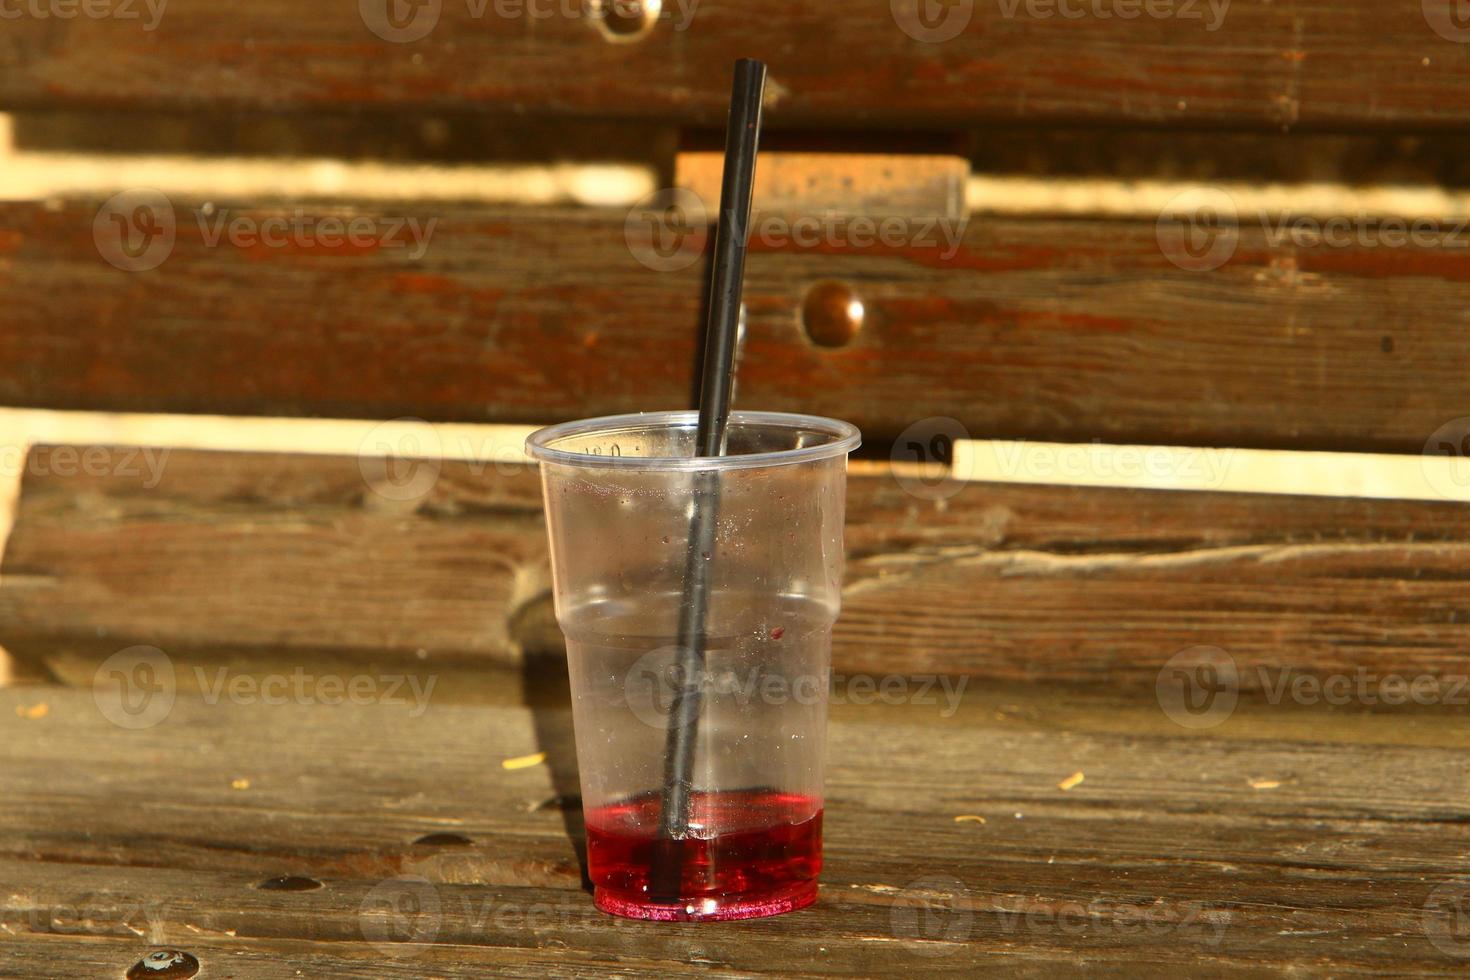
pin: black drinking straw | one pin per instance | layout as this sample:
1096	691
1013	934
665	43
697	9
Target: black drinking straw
742	139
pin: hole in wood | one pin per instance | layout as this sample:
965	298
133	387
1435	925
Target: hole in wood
832	314
290	883
625	20
444	840
165	964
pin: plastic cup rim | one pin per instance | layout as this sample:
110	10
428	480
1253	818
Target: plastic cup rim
540	444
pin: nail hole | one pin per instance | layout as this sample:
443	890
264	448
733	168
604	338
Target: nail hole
290	883
832	314
165	964
444	840
625	20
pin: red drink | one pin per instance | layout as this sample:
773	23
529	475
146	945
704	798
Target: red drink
757	853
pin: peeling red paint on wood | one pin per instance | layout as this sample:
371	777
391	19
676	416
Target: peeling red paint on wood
1318	63
1059	330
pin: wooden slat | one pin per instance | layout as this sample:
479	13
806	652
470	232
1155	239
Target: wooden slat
1311	63
1061	330
790	186
1148	868
253	557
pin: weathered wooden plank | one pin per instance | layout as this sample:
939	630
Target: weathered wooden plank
1059	330
47	956
238	558
1149	866
1314	63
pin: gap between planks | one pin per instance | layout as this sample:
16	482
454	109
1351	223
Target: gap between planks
31	175
1330	474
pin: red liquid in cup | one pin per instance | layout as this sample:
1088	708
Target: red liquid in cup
756	853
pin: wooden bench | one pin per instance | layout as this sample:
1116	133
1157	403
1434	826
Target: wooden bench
1141	731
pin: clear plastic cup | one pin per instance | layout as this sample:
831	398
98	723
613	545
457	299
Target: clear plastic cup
621	498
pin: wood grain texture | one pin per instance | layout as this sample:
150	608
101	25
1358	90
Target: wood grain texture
876	185
1052	330
1312	63
1164	861
298	559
